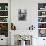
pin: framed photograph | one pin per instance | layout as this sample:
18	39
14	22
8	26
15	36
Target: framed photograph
22	13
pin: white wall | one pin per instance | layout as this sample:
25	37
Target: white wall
32	9
31	6
31	13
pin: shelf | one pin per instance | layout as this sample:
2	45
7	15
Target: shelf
42	16
41	10
4	19
41	22
3	16
42	19
3	22
41	28
3	10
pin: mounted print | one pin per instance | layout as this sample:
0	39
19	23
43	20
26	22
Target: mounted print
22	13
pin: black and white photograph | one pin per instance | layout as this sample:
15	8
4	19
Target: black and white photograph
22	14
